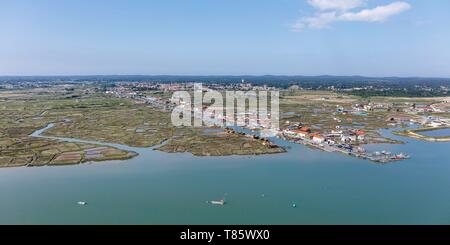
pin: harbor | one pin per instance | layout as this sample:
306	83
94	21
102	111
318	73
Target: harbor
359	152
336	141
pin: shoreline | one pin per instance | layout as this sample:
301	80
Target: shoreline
379	158
414	133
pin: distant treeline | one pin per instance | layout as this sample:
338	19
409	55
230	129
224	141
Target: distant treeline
399	93
357	85
268	79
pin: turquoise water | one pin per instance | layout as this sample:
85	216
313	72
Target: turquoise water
437	133
160	188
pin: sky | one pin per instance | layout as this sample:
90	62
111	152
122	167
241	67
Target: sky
225	37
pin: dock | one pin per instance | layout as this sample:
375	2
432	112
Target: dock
379	157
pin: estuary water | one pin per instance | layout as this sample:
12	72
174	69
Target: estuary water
437	133
161	188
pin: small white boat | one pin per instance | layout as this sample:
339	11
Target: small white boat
219	203
82	203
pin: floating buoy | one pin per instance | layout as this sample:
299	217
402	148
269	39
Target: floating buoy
294	205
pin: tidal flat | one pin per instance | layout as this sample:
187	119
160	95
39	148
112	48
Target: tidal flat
103	119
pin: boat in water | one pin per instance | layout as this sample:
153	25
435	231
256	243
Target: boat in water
401	156
82	203
218	203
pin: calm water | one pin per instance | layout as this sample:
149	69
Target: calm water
160	188
437	133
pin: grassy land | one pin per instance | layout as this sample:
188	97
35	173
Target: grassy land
217	143
20	116
99	118
119	121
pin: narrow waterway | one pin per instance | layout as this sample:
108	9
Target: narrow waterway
38	134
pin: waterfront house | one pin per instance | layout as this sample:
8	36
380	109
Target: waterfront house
317	138
301	133
290	133
360	135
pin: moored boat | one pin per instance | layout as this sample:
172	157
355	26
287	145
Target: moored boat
218	203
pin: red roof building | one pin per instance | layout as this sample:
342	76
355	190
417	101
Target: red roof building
360	133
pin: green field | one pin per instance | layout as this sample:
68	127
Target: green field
23	114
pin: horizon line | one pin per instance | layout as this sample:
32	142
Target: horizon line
242	75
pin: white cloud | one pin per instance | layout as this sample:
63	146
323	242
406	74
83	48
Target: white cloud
323	19
335	4
377	14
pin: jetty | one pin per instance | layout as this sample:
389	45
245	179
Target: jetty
380	157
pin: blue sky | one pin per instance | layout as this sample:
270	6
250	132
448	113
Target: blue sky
225	37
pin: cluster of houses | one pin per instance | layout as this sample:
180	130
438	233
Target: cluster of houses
370	107
431	121
190	86
121	92
410	117
335	137
304	133
251	120
425	120
362	109
348	136
162	104
373	107
415	108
